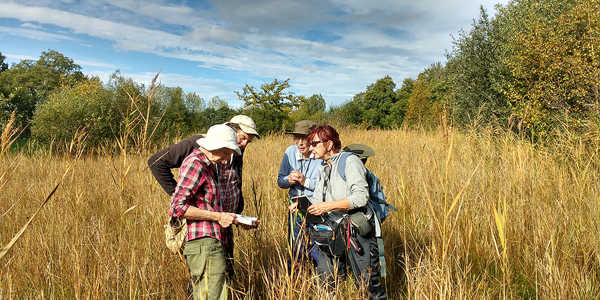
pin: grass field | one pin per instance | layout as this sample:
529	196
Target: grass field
480	216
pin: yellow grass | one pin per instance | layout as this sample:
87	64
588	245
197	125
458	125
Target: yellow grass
480	216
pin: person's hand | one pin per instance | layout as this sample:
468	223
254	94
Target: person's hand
293	177
293	208
318	209
248	227
296	177
226	219
300	177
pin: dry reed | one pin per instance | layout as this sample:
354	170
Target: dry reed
481	216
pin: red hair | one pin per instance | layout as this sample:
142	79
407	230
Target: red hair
326	133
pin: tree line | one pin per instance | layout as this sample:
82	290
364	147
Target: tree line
532	67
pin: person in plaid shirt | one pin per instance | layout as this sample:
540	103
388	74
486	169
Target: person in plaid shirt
207	196
162	162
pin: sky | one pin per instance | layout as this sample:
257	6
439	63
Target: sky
335	48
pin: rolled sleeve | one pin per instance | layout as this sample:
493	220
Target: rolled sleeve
307	184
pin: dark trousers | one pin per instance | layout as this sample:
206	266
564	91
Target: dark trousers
229	253
364	265
302	246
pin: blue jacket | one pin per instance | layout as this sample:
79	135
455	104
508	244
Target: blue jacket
293	160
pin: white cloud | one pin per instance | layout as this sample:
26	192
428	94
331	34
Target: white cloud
95	64
31	26
95	27
19	57
35	34
217	35
269	15
171	14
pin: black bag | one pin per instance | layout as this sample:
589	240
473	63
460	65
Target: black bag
330	237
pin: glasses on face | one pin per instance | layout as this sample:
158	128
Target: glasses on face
315	143
299	138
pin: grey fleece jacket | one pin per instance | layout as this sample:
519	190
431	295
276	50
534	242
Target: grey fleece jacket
355	187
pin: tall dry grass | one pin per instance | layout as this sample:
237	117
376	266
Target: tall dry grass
480	216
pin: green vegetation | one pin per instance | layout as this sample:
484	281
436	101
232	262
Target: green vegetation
535	65
29	83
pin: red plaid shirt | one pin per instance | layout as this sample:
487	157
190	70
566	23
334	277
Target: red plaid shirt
199	186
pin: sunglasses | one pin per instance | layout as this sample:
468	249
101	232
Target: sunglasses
315	143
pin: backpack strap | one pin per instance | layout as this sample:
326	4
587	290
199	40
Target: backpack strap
378	236
342	164
383	268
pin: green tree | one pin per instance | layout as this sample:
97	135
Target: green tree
474	67
218	114
26	84
551	52
118	109
311	108
379	98
429	95
3	65
267	120
216	103
271	105
353	111
398	110
183	112
85	106
377	106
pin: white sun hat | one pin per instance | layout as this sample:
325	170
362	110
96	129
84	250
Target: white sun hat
220	136
246	124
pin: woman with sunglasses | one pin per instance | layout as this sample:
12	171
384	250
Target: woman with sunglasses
298	173
335	199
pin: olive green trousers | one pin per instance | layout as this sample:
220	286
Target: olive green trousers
206	259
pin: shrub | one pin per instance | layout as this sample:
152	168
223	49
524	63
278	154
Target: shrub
87	105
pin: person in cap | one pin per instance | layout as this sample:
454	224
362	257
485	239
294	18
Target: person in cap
298	173
207	196
362	151
172	157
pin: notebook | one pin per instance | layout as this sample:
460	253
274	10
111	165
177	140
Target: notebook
303	204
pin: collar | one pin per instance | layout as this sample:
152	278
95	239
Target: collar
202	157
300	157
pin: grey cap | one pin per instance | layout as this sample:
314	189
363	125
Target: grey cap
363	151
303	127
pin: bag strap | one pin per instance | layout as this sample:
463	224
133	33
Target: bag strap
342	164
383	269
378	235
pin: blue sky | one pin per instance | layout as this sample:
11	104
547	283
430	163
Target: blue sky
330	47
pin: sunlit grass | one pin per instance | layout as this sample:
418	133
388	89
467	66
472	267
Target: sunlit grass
524	226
